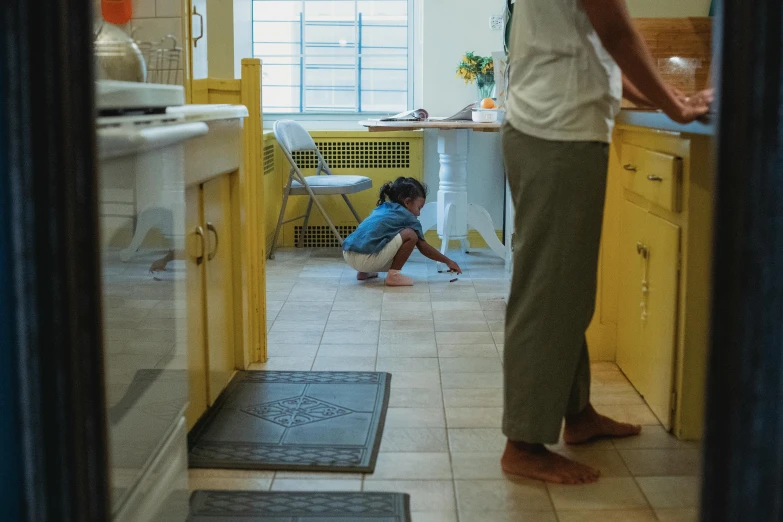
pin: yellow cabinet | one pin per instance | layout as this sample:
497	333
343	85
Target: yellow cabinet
211	292
653	175
648	302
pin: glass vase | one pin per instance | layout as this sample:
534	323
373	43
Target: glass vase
486	89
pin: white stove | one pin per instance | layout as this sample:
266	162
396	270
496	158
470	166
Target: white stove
141	153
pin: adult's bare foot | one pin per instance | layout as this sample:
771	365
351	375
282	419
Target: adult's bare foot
361	276
536	462
589	424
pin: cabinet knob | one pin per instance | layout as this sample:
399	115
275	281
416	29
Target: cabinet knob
653	177
630	167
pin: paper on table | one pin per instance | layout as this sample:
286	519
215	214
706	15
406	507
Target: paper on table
464	114
414	115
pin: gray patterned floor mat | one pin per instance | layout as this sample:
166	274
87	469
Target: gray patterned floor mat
297	421
282	506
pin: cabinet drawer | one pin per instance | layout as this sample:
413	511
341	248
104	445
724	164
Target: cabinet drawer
653	175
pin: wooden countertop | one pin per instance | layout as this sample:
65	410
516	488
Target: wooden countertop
659	121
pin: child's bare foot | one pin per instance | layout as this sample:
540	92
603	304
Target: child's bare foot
536	462
589	424
361	276
395	278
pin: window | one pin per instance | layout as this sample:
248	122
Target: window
334	55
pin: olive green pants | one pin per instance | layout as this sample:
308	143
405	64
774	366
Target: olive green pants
558	189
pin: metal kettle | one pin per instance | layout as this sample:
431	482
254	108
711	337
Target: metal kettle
117	57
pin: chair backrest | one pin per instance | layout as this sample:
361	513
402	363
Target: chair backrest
292	137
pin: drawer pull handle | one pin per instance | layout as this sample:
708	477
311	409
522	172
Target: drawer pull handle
630	167
653	177
211	255
200	234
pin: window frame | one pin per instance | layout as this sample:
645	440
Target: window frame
340	115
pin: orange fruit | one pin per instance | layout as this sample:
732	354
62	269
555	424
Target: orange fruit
487	103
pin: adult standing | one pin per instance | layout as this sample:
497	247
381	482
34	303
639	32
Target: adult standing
565	87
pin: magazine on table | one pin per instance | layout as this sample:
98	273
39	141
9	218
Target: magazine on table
414	115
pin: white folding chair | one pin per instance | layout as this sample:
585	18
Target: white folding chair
292	137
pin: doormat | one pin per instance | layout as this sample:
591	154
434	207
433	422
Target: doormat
294	421
282	506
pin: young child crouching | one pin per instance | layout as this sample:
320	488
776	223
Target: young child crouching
385	240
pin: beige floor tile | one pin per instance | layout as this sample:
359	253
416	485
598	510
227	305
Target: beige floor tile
316	485
640	515
352	327
671	492
501	495
412	466
350	305
678	515
470	365
347	338
607	461
415	417
296	337
461	326
456	316
476	440
464	338
472	380
410	297
292	350
654	437
613	399
608	494
498	336
465	350
284	364
402	306
453	305
474	417
310	311
426	381
662	462
417	349
414	440
416	325
239	484
433	516
407	364
344	364
406	314
507	516
494	315
635	414
407	337
348	350
468	398
298	326
426	495
477	466
315	475
407	397
496	326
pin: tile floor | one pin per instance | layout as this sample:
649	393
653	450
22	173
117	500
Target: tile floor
442	442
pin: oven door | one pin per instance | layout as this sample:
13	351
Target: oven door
144	317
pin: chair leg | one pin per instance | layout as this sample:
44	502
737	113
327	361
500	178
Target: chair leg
280	220
323	213
304	225
353	210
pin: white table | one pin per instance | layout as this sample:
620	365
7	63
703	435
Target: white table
452	214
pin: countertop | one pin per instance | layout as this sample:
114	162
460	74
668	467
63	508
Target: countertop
209	112
659	121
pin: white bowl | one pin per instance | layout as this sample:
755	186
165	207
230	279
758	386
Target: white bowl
485	115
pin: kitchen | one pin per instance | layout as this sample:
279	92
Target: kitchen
676	211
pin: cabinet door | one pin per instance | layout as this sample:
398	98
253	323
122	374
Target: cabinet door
197	349
659	326
630	358
219	284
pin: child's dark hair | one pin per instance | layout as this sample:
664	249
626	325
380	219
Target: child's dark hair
401	190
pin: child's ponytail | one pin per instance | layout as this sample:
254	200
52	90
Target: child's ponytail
386	193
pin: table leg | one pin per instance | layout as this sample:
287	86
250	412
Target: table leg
429	216
480	220
148	219
465	244
446	237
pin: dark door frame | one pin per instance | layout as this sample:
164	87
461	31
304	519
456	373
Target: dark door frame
743	464
50	313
